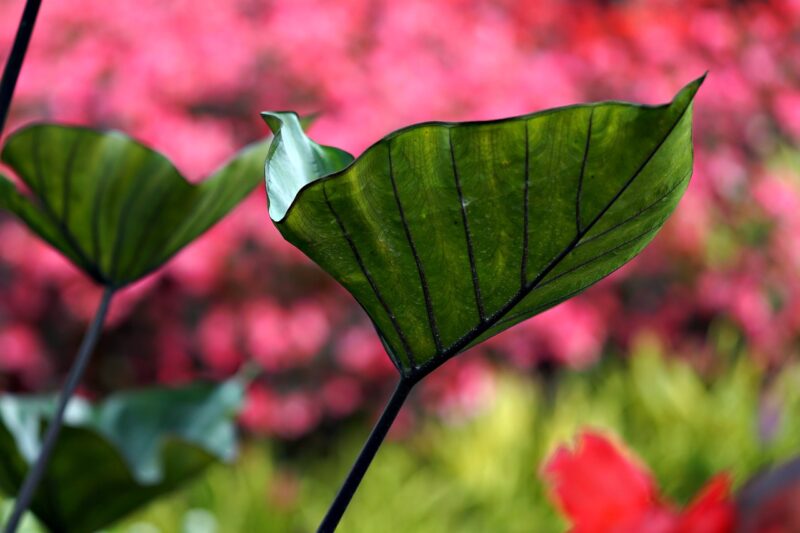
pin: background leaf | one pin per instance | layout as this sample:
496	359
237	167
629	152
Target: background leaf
118	455
448	234
114	207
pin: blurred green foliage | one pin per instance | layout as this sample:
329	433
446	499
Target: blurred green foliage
481	474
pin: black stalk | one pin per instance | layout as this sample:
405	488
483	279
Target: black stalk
16	57
36	473
359	468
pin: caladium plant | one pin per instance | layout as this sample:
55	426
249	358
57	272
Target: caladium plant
118	210
449	233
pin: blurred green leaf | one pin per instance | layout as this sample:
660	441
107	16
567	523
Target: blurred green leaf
116	456
114	207
447	234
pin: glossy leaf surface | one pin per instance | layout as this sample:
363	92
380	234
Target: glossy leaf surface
114	207
118	455
448	234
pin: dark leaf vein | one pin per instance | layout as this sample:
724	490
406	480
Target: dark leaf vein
368	276
578	224
66	191
636	215
144	255
134	193
47	209
606	253
99	195
465	222
420	269
542	307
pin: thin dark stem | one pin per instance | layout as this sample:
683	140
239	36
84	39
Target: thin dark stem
364	459
15	58
35	474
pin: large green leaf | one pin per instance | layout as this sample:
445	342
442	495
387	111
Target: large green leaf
118	455
448	234
113	206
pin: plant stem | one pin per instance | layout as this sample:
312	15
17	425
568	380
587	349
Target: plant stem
364	459
35	474
15	58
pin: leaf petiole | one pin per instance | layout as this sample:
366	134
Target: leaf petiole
371	446
35	474
16	57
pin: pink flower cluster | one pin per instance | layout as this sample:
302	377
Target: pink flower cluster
189	78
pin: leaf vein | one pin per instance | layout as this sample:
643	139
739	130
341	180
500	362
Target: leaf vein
597	257
476	286
71	240
97	202
66	191
124	223
140	259
420	269
636	215
525	202
369	278
543	306
578	224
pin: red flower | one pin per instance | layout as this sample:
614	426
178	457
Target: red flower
601	487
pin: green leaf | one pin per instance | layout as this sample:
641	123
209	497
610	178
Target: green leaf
114	207
448	234
118	455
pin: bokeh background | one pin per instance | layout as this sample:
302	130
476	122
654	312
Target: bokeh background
708	316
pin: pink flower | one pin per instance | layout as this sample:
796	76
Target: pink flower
341	396
571	333
217	335
778	198
288	416
360	350
21	353
461	387
308	328
787	110
265	336
174	363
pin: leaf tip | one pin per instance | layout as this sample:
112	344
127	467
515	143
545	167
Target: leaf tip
699	81
276	119
693	86
686	95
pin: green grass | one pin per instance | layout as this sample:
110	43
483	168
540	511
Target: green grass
481	474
